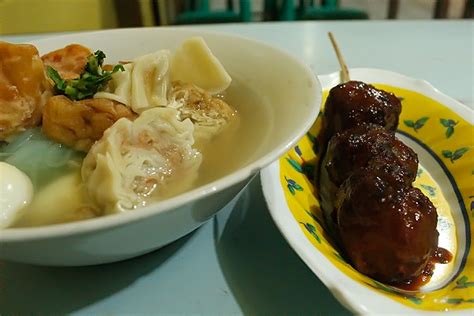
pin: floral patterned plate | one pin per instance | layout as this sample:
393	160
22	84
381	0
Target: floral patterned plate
441	131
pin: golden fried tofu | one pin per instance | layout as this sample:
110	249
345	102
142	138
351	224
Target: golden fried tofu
79	124
69	61
23	88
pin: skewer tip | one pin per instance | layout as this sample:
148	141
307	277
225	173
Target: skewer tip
344	70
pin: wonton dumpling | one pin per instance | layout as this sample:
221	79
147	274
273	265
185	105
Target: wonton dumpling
144	83
23	88
150	81
193	62
120	87
152	156
209	114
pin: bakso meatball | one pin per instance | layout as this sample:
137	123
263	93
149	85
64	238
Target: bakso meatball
209	114
23	88
79	124
356	147
352	103
388	233
69	61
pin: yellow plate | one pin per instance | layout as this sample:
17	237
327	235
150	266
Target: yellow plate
441	131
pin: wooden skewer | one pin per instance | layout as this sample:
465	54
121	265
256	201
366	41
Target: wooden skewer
344	71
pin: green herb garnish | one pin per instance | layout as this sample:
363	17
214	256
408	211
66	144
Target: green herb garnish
93	79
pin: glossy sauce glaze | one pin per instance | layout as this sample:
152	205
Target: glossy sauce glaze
440	255
385	226
355	102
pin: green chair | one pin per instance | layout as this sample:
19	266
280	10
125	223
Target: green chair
468	9
327	10
198	12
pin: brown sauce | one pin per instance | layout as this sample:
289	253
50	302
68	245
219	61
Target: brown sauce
440	255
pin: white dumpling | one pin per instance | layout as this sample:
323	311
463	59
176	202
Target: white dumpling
120	86
193	62
150	81
143	84
62	200
151	157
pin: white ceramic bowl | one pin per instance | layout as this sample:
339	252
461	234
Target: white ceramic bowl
289	87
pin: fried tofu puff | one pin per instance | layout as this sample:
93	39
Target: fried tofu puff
23	88
79	124
69	61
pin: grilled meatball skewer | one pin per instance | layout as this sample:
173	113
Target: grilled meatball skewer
386	227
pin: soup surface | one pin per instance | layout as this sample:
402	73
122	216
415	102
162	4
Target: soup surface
60	195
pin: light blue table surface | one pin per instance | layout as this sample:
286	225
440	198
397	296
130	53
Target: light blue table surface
238	263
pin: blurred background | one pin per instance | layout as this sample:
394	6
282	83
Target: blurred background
40	16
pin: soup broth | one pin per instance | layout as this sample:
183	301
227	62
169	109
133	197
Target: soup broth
240	142
63	198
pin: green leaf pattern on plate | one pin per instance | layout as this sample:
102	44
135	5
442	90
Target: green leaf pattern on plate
293	186
295	165
419	172
416	125
311	137
459	300
316	219
454	155
443	224
463	282
339	257
298	151
312	230
388	289
314	140
449	124
429	189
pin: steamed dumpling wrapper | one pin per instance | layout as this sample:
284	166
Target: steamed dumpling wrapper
151	157
193	62
144	84
120	87
150	81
